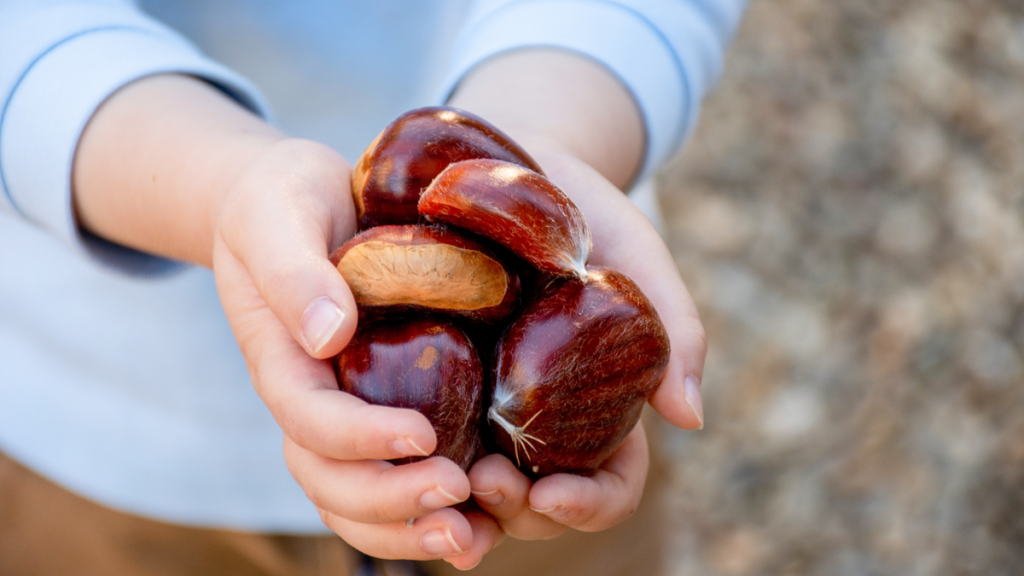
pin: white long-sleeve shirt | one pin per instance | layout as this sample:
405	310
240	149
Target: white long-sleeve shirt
119	376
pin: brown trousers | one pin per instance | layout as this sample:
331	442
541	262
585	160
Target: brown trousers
48	531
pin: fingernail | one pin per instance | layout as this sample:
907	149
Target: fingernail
320	321
467	568
492	498
437	498
440	543
691	387
405	446
558	513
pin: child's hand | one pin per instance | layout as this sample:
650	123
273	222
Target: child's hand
624	240
290	310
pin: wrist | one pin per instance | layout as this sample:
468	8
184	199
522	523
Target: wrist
155	161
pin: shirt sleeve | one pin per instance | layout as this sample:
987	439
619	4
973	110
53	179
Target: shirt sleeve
60	61
668	53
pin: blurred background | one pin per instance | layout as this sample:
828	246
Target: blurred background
850	219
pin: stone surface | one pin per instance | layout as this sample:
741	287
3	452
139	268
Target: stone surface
850	219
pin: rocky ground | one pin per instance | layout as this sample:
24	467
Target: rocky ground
850	219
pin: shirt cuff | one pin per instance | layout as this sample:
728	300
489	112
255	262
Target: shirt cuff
666	75
58	91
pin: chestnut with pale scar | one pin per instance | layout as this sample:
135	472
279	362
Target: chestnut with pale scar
427	364
429	267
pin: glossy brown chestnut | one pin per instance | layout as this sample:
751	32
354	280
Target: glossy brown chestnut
515	207
397	268
426	364
573	373
404	158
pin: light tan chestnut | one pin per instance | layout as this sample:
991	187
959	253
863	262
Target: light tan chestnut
432	268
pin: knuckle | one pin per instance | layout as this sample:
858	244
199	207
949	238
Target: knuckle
697	335
312	488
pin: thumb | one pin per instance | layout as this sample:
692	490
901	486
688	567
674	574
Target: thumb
280	223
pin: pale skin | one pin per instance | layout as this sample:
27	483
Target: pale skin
171	166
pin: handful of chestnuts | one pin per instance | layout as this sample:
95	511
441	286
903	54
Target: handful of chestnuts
478	307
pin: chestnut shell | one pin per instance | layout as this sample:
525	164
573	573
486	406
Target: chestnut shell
396	269
573	372
427	364
406	156
515	207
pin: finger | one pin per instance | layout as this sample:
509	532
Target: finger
678	398
647	261
625	240
302	392
442	534
503	491
603	500
319	417
486	535
374	491
280	221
